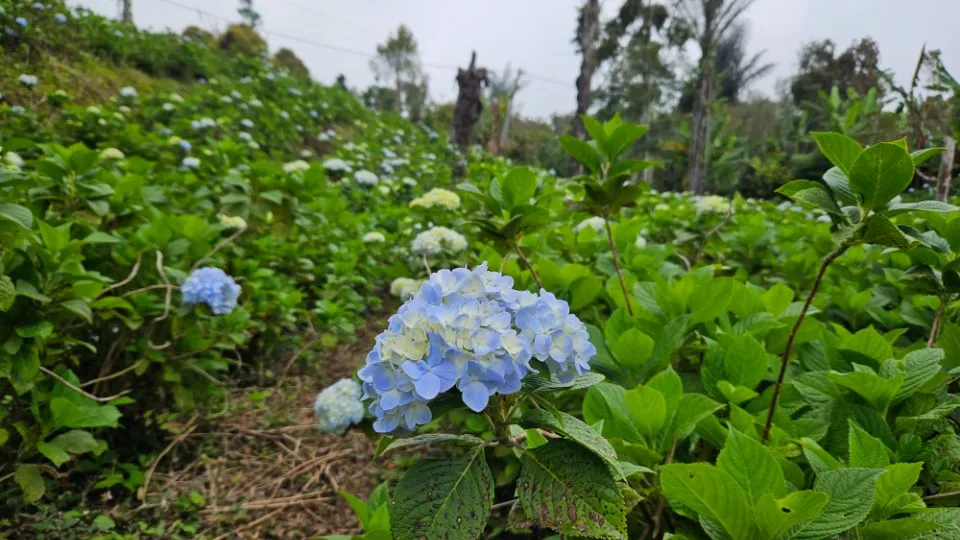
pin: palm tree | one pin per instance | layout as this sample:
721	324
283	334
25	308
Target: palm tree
735	71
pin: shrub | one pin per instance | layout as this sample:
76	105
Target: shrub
241	39
286	58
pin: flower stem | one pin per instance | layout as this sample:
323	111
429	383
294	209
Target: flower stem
616	265
526	261
426	264
785	360
936	320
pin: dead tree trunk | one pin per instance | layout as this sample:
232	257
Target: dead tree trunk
946	168
126	11
469	106
588	36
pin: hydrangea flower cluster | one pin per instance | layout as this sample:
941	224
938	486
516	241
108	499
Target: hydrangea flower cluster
366	178
374	237
191	163
232	222
28	80
471	330
596	223
405	288
338	406
437	198
213	287
296	166
712	204
111	154
336	165
128	92
439	240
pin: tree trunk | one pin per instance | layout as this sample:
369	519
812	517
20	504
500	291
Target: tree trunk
468	108
399	92
946	168
700	131
588	34
127	12
505	130
493	145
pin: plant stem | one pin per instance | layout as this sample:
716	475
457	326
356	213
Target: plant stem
526	261
785	360
935	327
616	265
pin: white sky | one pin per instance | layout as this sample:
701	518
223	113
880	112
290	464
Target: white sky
537	35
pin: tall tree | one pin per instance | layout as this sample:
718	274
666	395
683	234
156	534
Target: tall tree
821	68
503	88
709	21
588	44
126	11
249	15
398	60
735	69
415	95
469	105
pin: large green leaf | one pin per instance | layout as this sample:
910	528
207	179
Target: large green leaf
918	368
387	443
840	186
776	517
648	407
443	498
851	496
877	390
605	402
878	229
582	151
633	348
565	487
752	466
518	187
30	482
896	529
745	362
16	214
576	430
711	493
840	149
691	409
70	414
866	451
811	194
880	173
896	480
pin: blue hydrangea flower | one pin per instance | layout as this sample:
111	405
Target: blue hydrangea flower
471	330
60	18
213	287
338	406
21	22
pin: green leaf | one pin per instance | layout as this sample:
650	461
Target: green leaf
76	441
42	330
565	487
896	529
30	482
735	394
428	438
713	300
840	149
881	173
584	290
745	362
53	452
649	409
711	493
896	208
576	430
606	402
98	237
443	498
811	194
920	156
25	288
851	496
752	466
8	293
358	506
918	368
840	186
866	451
776	517
878	229
518	187
80	307
820	460
582	152
670	385
877	390
622	138
633	348
69	414
896	480
595	129
691	409
16	214
777	298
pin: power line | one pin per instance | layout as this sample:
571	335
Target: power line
346	50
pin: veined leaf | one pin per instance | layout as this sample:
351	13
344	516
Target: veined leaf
711	493
752	466
851	496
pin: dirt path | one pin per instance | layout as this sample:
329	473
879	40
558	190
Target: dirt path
273	474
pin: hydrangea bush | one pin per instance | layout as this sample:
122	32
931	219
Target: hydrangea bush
338	407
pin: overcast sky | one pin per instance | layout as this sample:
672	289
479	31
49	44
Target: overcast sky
536	35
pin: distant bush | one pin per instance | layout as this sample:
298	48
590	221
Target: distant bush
240	38
199	34
288	59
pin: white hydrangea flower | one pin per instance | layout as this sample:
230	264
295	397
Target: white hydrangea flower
404	288
296	166
28	80
438	240
640	242
366	178
111	154
437	198
338	407
374	237
93	109
13	160
128	92
407	181
191	162
336	165
712	204
661	207
596	223
175	98
232	222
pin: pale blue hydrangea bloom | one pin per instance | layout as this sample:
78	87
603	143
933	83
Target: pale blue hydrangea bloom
213	287
21	22
28	80
185	145
60	18
338	406
471	330
191	163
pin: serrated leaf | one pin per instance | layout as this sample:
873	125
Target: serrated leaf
880	173
518	187
17	214
877	390
443	498
8	293
428	438
896	529
776	517
30	482
866	451
851	496
752	466
840	149
576	430
745	362
691	409
896	480
564	487
712	494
